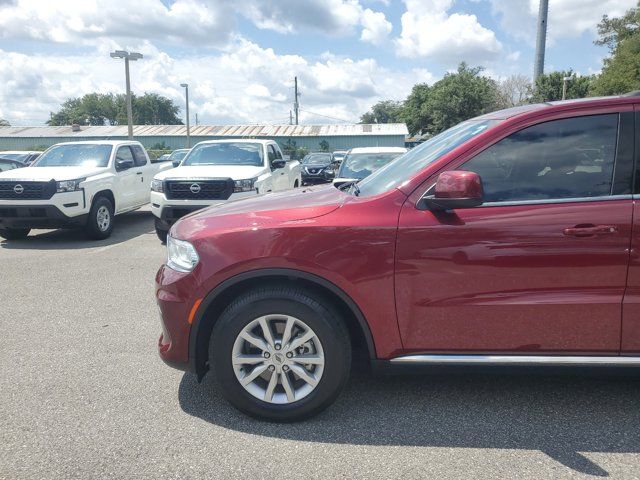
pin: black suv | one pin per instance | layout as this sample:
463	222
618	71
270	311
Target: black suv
314	166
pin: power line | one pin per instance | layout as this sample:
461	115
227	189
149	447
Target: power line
327	116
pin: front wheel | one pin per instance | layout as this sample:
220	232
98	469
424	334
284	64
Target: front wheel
280	353
14	233
100	222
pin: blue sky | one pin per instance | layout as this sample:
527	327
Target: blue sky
240	56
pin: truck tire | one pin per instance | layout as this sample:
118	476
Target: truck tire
14	233
100	221
277	383
162	234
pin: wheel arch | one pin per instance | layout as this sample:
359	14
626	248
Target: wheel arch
216	301
108	194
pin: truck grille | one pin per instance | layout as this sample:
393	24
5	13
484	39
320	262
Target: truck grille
17	190
199	189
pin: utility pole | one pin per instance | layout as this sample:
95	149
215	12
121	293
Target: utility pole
290	117
186	93
541	40
296	105
197	120
133	56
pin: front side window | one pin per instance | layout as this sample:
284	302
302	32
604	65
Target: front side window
272	153
138	155
559	159
78	155
124	154
227	153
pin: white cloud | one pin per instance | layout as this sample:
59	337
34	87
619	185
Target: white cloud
567	18
375	27
428	30
245	83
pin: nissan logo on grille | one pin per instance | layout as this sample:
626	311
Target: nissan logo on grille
195	188
18	189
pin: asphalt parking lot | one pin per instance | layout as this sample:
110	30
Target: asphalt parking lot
83	394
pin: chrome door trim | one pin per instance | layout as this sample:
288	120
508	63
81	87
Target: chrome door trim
532	360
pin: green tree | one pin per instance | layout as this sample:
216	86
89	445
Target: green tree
457	97
548	87
385	111
110	109
621	71
4	123
324	146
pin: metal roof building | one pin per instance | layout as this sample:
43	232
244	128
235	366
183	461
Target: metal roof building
339	137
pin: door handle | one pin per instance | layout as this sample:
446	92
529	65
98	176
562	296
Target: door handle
138	173
589	230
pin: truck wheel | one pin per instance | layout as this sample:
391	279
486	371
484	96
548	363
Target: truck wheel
280	353
14	233
162	234
100	222
295	184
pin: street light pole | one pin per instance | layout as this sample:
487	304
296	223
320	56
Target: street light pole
133	56
186	93
564	87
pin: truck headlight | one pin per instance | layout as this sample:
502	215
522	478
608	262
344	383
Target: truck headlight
181	255
244	185
69	185
157	186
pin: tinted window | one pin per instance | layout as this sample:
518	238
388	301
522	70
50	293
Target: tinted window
272	153
124	153
138	155
569	158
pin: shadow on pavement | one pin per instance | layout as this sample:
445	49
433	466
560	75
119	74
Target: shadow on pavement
559	415
126	226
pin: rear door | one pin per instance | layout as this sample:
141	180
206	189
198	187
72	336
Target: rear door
541	266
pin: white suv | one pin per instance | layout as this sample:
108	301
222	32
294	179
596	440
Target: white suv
217	171
76	184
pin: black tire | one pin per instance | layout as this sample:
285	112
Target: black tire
315	312
95	229
162	234
14	233
295	184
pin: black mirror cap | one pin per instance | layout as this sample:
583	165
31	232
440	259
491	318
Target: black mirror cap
278	163
176	163
124	164
443	204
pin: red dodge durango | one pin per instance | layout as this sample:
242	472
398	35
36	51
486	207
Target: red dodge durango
510	239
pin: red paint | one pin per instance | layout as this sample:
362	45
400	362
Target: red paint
483	279
458	184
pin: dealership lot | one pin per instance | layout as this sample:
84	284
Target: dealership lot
84	394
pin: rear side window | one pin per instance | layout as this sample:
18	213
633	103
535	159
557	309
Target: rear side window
567	158
138	155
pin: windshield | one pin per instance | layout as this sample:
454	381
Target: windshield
403	168
177	155
225	154
361	165
79	155
317	159
7	165
21	157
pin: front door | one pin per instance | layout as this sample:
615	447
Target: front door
541	266
128	181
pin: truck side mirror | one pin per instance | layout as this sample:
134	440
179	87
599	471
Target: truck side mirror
123	164
278	163
176	163
454	189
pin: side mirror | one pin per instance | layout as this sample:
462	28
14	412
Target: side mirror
176	163
122	164
278	163
454	189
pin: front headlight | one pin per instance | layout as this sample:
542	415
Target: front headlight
244	185
69	185
157	186
181	255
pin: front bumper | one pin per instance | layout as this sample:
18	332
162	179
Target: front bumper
176	299
38	216
314	177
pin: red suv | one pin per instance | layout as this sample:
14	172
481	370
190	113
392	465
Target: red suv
507	239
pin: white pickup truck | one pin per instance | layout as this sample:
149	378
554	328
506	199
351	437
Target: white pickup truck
217	171
76	184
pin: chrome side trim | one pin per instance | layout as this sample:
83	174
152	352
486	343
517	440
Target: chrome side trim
532	360
556	200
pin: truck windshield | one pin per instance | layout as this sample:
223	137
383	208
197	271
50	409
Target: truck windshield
403	168
361	165
80	155
227	153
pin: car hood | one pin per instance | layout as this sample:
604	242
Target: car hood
235	172
261	210
51	173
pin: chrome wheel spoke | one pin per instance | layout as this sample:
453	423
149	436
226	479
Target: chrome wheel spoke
286	335
304	375
288	389
255	341
301	340
273	381
259	370
266	331
247	359
309	359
